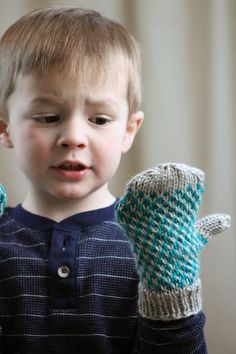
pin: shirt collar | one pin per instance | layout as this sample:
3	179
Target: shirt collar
87	218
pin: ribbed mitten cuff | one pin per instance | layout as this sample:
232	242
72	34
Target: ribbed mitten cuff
171	305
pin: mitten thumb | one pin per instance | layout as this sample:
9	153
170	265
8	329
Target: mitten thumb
211	225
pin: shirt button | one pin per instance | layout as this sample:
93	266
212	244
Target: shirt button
63	271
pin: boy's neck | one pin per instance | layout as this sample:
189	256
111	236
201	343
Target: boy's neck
60	209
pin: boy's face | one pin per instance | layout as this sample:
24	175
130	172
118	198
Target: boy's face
69	137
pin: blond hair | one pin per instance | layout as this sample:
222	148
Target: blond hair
82	42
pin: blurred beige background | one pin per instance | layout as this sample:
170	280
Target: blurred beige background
189	85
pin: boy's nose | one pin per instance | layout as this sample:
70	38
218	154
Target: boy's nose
73	136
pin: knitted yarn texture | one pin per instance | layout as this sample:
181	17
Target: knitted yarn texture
158	212
3	198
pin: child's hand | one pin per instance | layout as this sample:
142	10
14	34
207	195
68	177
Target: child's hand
3	198
158	212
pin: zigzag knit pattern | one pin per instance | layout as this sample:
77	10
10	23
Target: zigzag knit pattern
159	218
158	212
3	198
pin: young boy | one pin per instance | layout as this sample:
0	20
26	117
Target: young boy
70	107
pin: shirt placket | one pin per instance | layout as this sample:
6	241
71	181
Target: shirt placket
62	268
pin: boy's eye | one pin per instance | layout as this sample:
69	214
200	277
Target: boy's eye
47	119
99	120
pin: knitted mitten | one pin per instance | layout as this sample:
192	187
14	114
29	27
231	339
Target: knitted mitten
3	198
158	213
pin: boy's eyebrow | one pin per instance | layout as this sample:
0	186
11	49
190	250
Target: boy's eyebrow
46	99
101	101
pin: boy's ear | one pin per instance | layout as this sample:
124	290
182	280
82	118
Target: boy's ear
133	125
5	139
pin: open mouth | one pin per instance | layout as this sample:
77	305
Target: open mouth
72	170
72	167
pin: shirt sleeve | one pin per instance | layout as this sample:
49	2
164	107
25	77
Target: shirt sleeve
184	336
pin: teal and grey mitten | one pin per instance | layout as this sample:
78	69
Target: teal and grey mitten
3	198
158	212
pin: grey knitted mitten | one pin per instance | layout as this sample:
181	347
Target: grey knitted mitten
158	213
3	198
